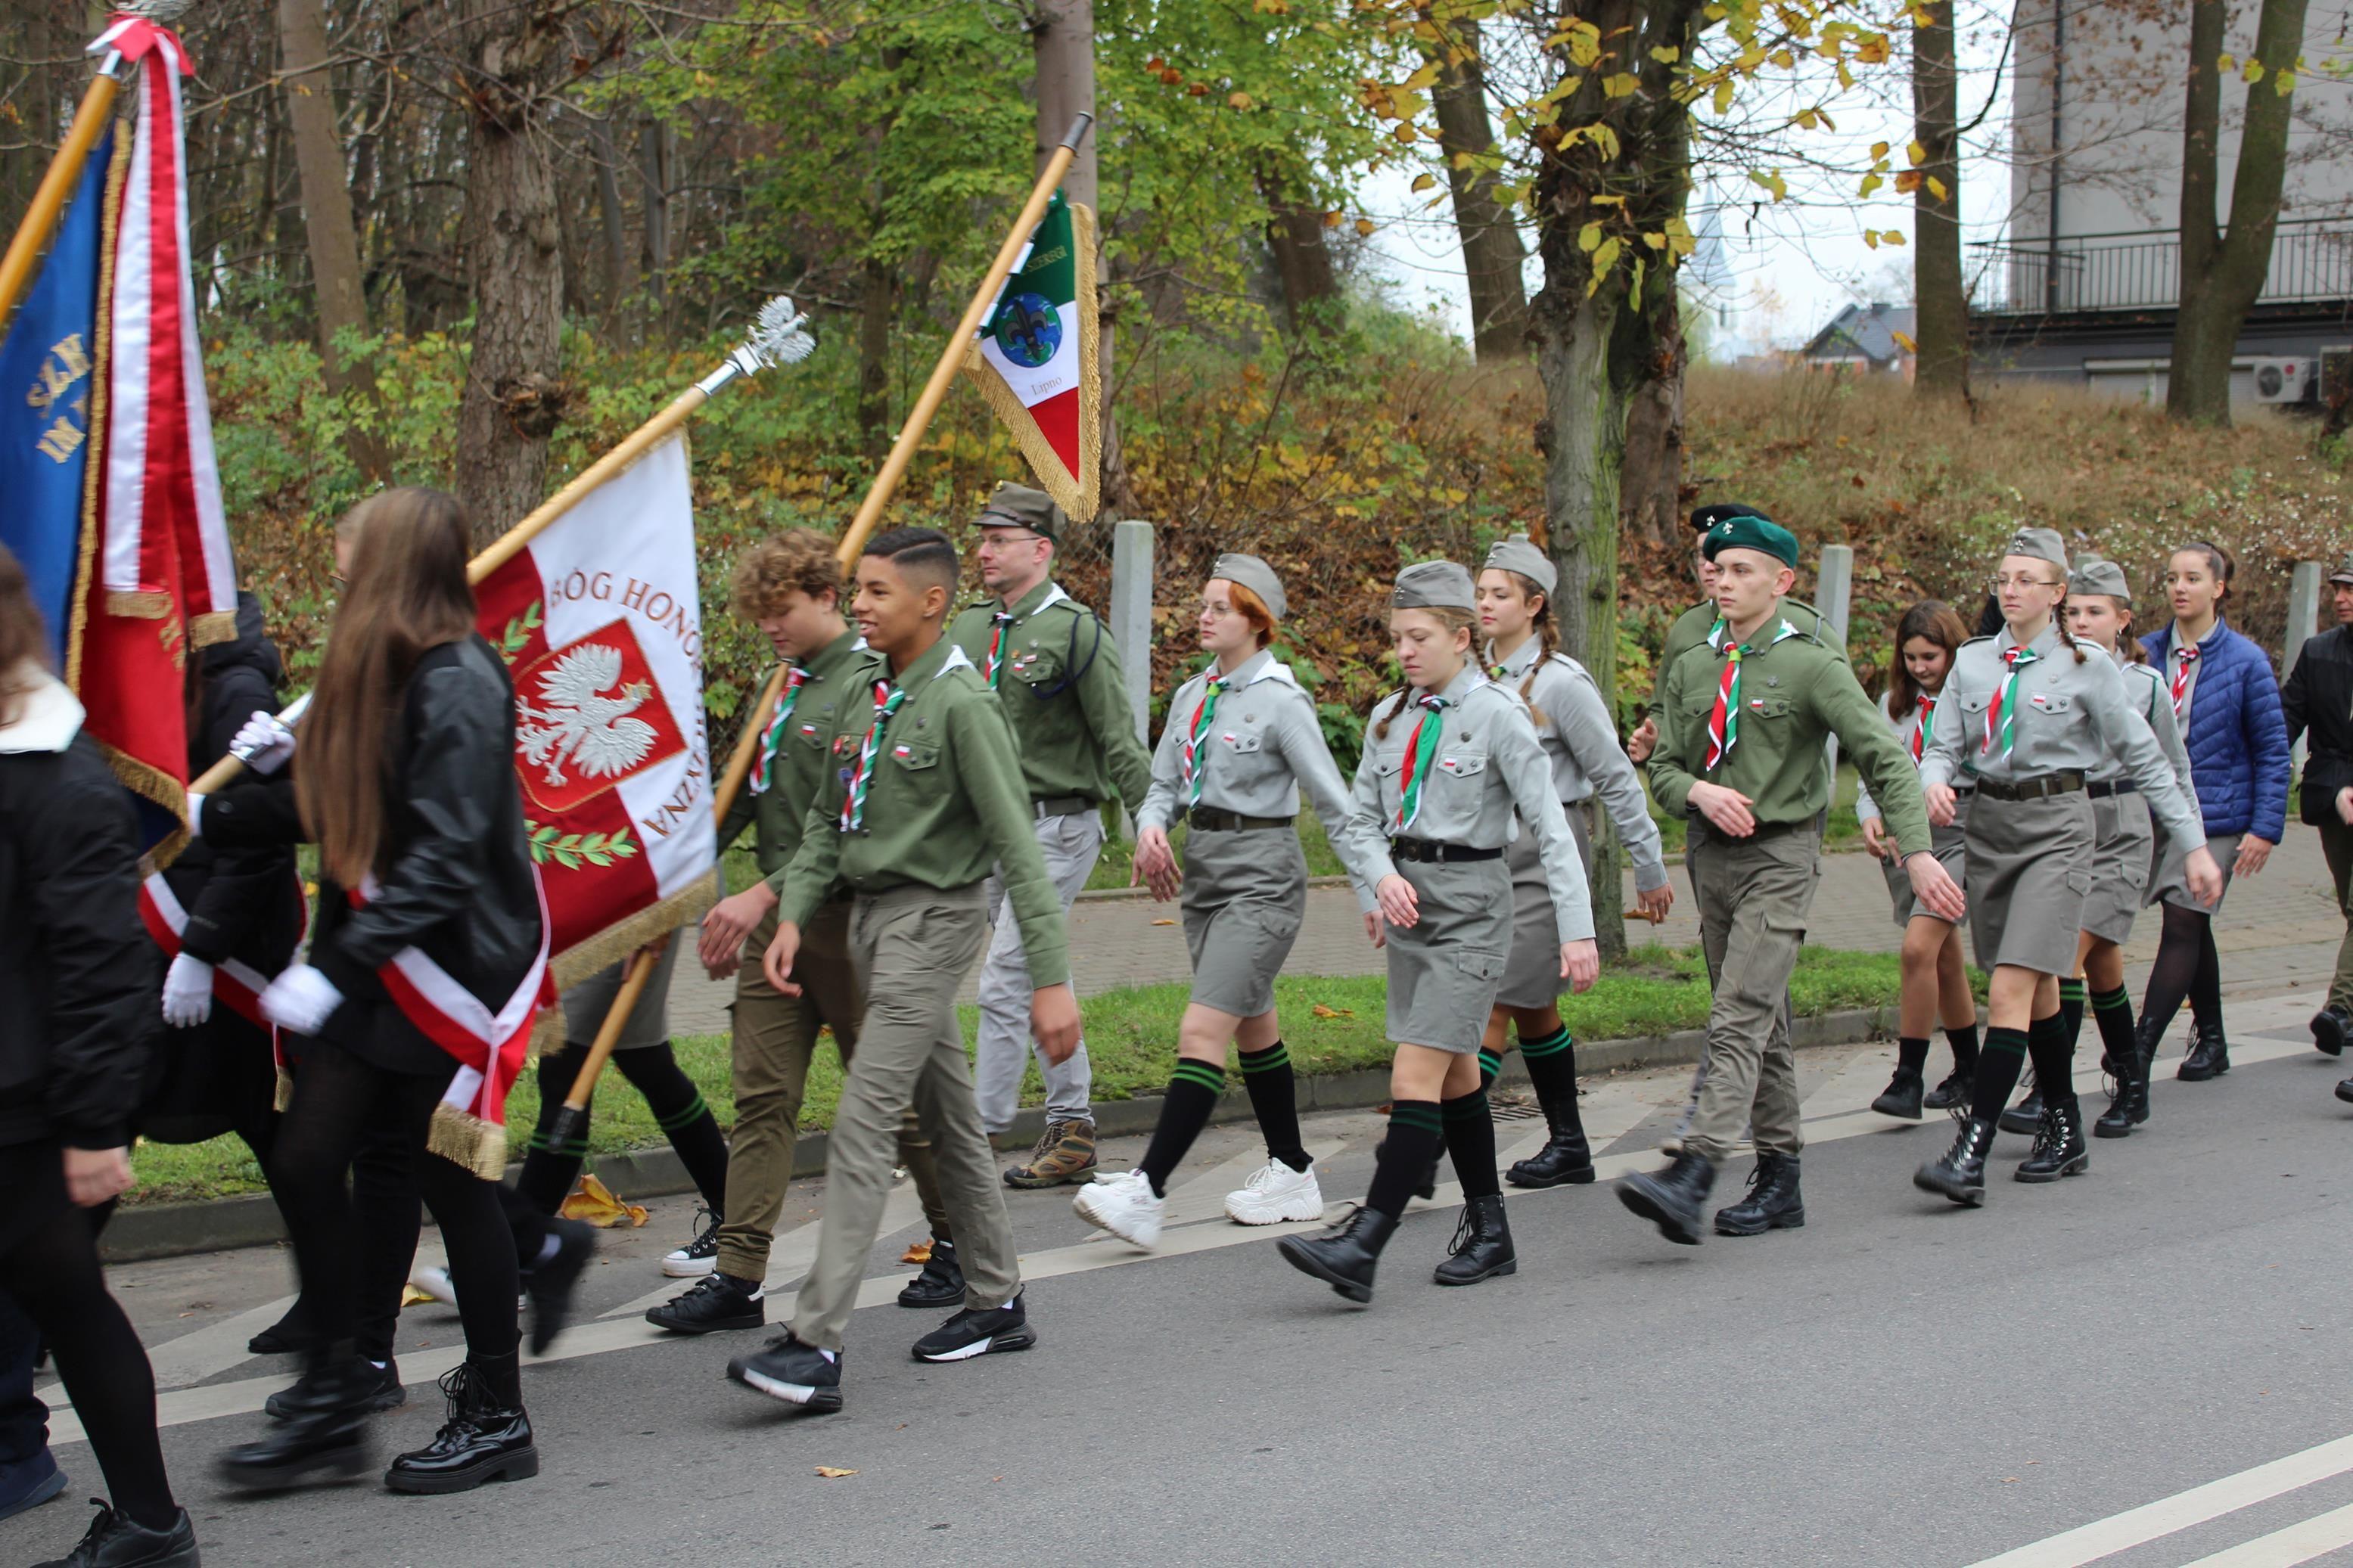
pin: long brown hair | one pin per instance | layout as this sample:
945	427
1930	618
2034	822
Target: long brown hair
1940	624
24	637
407	595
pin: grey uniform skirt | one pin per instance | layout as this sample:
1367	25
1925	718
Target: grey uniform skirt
1532	978
585	1004
2121	840
2171	882
1245	895
2030	866
1950	844
1444	969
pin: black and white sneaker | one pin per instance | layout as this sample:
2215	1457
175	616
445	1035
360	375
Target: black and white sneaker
971	1334
795	1373
718	1301
700	1256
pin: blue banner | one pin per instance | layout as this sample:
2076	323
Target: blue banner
48	377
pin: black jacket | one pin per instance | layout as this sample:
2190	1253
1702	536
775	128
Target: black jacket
77	974
455	878
2317	701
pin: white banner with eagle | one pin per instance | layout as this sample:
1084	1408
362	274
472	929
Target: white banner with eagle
600	626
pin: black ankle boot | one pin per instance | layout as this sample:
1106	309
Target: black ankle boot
1955	1091
1959	1173
941	1284
289	1336
486	1439
1482	1246
2210	1054
1671	1198
2331	1028
328	1437
1567	1159
379	1388
2059	1147
2130	1107
2026	1116
1344	1256
118	1541
1903	1096
1773	1202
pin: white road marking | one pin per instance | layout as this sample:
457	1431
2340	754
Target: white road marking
2298	1543
214	1349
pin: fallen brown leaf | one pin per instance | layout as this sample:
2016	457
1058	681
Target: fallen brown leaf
1164	923
593	1201
1321	1011
919	1252
829	1473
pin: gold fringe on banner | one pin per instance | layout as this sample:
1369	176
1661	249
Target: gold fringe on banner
624	937
139	605
1083	500
464	1139
212	626
282	1097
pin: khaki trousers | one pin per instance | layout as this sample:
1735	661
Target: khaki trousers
1754	898
2336	844
910	948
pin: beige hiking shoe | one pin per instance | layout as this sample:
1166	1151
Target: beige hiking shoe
1066	1153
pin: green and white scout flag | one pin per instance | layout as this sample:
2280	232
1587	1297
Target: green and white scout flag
1037	361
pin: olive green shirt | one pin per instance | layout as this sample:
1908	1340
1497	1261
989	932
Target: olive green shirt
840	680
1796	691
945	807
1058	677
1692	628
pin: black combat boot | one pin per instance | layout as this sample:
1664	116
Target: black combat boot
486	1439
1567	1159
1671	1198
327	1437
2331	1028
2026	1116
2130	1107
1953	1093
2059	1147
379	1389
1903	1096
1959	1173
2210	1054
941	1284
1773	1202
1344	1256
1481	1248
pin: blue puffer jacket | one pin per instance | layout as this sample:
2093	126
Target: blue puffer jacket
2237	739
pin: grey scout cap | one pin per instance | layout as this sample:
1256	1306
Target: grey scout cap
1434	586
2344	572
2093	575
1019	506
1517	554
2039	544
1249	572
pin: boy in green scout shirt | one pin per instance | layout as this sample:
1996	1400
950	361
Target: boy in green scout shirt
1057	673
1742	723
926	798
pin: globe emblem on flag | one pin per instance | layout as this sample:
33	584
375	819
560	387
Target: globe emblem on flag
1028	329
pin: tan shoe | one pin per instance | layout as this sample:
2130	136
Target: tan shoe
1066	1153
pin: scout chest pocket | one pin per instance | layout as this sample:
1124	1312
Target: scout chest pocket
2051	702
916	755
1462	765
1768	707
1479	963
1039	669
1241	740
1975	702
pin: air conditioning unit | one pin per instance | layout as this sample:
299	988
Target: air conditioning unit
2281	380
2336	374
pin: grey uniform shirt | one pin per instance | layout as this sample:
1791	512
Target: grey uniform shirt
2068	717
1263	743
2151	701
1488	766
1866	809
1577	734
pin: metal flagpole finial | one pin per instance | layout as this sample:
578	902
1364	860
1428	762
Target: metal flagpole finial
781	335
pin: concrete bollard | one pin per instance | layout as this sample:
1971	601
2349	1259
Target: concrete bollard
1833	593
2303	622
1131	629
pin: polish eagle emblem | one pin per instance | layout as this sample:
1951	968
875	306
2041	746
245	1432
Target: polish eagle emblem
583	717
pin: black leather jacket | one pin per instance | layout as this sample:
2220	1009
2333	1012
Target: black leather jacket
2317	701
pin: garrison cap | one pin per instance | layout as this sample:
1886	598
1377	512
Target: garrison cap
1434	586
1517	554
1748	530
2344	572
1704	519
2093	575
1019	506
1249	572
2039	544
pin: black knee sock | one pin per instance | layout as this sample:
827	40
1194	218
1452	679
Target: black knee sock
2053	1049
1964	1041
1193	1090
1551	1062
1912	1055
2071	1010
1491	1067
1406	1151
684	1116
1999	1065
1274	1100
1471	1141
2113	1012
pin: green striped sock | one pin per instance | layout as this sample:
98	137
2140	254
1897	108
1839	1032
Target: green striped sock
1200	1073
1491	1067
1277	1055
1551	1045
1552	1065
1274	1100
2071	1009
693	1110
1193	1090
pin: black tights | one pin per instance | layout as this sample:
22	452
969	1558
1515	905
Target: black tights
2187	968
347	1113
50	1266
678	1106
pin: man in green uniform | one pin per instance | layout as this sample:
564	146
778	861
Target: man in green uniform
927	796
1056	672
1742	723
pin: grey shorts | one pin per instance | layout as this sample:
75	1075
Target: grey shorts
2170	881
2120	865
1445	969
1245	895
1950	846
1532	977
2029	867
585	1004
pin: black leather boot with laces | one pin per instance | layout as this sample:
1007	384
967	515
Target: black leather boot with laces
1953	1094
1904	1096
1671	1198
2026	1116
1566	1158
2130	1107
2059	1147
1959	1173
2210	1054
1774	1202
1481	1248
487	1437
1345	1256
327	1438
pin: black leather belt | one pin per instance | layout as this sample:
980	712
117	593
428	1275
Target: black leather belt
1062	805
1205	820
2102	791
1430	850
2040	788
1715	834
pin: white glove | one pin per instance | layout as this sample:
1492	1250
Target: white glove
302	999
263	744
187	992
195	814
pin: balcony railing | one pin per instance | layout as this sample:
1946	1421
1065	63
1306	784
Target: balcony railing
2312	261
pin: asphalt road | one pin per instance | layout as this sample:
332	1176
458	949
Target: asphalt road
1901	1382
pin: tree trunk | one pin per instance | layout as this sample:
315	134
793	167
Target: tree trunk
332	237
1651	503
618	278
1492	255
1303	265
1941	306
2222	273
514	253
657	152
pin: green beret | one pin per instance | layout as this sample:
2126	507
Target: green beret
1750	530
1019	506
1516	554
1249	572
2093	575
1434	586
2039	544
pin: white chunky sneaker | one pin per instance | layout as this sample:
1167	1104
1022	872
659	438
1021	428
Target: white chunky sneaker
1124	1206
1276	1193
434	1280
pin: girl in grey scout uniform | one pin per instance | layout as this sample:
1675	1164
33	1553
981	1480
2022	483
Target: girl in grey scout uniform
2099	611
1240	741
1580	739
1936	978
1447	762
2027	713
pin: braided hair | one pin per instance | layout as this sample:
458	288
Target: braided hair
1547	636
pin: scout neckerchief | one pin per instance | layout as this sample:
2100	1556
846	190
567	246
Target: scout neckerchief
1920	730
1420	751
2001	718
1724	720
772	736
2184	658
1188	750
1000	623
888	700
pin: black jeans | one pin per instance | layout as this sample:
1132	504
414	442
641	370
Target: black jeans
24	1419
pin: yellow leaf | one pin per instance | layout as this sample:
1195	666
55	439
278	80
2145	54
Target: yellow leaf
1423	182
1907	181
593	1201
1806	118
1422	77
1331	220
1588	239
1916	152
1407	104
2252	73
1846	80
1461	161
1608	201
918	1251
1871	238
1238	101
1655	241
2226	62
1783	58
2283	83
1870	184
1893	237
1879	149
1872	50
1665	56
831	1474
1903	341
1936	189
1606	256
1724	91
1321	1011
1404	132
1619	85
1164	923
1365	227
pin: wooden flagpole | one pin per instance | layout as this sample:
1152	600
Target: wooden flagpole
48	203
